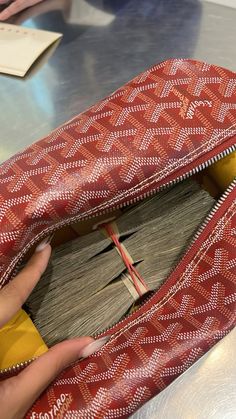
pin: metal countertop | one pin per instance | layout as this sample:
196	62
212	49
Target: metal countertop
106	43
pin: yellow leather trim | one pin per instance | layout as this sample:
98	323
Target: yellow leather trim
223	172
217	177
19	341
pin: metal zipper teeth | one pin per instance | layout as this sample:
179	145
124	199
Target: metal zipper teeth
186	175
147	194
195	237
213	211
17	367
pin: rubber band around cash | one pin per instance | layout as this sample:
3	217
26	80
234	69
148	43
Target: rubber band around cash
132	279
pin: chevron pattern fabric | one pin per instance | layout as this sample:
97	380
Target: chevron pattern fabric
193	310
164	122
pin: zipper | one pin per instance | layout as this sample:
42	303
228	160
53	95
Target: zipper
108	210
18	367
15	369
147	300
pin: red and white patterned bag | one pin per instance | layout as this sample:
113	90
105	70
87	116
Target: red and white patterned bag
165	125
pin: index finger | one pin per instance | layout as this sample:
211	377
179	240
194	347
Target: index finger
16	7
14	294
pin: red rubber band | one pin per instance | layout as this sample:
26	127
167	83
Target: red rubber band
134	274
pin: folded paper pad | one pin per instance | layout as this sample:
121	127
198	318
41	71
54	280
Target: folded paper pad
20	47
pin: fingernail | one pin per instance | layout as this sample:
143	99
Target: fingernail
44	243
94	346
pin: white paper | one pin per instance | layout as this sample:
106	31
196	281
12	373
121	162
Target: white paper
20	47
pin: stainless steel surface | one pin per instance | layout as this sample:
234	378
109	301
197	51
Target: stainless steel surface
105	44
205	391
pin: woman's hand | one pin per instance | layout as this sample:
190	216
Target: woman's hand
37	8
15	7
44	6
17	394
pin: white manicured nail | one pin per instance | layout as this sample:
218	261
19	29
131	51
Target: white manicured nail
94	346
44	243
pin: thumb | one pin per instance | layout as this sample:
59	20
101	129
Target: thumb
17	394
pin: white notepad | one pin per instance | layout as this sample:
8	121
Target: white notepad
20	47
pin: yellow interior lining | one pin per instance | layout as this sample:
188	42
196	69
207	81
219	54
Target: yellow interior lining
19	341
217	177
